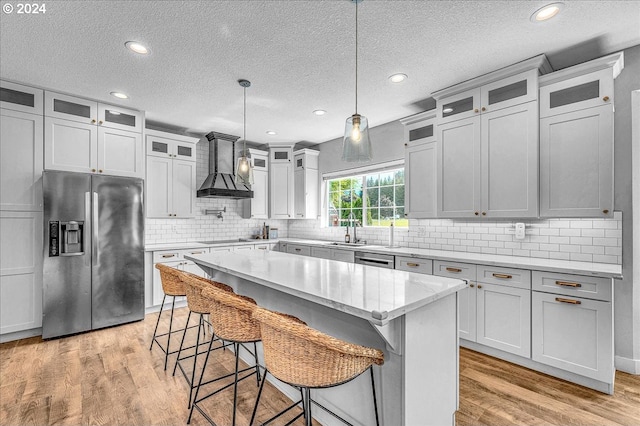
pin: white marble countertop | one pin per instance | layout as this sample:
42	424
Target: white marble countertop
375	294
202	244
552	265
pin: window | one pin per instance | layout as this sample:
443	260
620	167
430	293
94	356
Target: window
372	199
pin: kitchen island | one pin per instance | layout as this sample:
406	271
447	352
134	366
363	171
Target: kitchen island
411	317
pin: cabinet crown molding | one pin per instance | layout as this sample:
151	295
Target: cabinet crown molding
421	116
172	136
540	62
614	61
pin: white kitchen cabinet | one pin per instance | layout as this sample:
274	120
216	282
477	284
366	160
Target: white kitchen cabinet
504	318
78	139
330	253
300	249
420	165
20	161
306	184
413	264
281	183
21	257
21	98
576	139
343	255
243	248
264	246
258	206
320	252
488	164
171	175
467	304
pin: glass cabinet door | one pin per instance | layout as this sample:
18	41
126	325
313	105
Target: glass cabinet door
158	147
457	107
586	91
21	98
70	108
510	91
119	118
185	151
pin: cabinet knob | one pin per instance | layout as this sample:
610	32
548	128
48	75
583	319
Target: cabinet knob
476	213
475	110
605	211
93	170
100	122
606	99
479	286
471	285
484	213
484	109
93	121
99	170
406	144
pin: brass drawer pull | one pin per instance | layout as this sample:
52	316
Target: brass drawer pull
570	301
568	284
505	276
168	255
297	249
413	265
197	252
454	269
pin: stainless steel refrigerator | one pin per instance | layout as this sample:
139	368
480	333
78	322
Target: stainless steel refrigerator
93	252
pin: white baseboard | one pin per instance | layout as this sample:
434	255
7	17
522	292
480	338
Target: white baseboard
628	365
24	334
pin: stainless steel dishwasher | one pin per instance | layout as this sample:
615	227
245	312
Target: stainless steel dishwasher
375	259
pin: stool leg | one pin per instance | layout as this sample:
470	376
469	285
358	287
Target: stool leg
375	401
235	383
157	322
255	407
166	354
306	405
195	398
255	355
186	326
195	360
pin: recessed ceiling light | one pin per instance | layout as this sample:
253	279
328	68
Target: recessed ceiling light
119	95
136	47
546	12
319	112
271	132
447	110
397	78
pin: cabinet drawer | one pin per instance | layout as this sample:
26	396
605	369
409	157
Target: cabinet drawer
463	271
299	249
573	285
321	252
167	256
504	276
193	251
343	255
411	264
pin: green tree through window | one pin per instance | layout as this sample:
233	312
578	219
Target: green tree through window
376	197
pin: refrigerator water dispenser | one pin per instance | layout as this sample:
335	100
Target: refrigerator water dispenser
71	238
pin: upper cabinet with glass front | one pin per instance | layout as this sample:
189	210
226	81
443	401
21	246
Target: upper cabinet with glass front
21	98
82	135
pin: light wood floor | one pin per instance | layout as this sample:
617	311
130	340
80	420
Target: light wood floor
109	377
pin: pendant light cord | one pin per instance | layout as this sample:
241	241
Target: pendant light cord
244	123
356	56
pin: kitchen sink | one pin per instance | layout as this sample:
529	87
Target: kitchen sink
337	243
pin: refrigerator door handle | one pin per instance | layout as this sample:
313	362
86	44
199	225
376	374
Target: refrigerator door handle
87	221
94	229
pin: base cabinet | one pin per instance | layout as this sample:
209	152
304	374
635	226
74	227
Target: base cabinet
572	330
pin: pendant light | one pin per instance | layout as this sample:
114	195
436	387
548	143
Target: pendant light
356	145
244	171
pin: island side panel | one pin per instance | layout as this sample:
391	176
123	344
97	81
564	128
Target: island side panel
430	368
353	400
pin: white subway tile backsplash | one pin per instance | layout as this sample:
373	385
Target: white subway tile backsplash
591	240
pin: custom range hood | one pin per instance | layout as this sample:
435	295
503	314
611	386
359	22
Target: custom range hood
221	180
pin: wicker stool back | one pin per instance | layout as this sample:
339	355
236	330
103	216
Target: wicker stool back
171	283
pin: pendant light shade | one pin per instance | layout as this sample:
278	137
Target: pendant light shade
244	171
356	145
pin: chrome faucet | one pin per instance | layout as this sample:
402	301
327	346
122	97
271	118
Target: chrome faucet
352	219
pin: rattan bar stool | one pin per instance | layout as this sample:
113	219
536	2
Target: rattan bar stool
197	304
306	358
171	286
231	318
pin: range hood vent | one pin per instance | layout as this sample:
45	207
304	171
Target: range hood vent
221	180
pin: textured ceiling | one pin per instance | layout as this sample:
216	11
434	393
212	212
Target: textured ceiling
299	55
